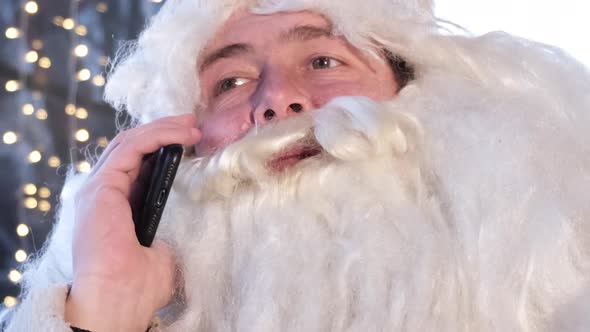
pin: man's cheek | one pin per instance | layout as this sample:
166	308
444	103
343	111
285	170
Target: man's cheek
222	132
324	94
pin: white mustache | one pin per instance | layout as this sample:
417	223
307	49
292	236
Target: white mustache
345	129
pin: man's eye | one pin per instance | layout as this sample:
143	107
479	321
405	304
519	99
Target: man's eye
324	62
229	83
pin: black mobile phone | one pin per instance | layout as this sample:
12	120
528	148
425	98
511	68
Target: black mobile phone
150	191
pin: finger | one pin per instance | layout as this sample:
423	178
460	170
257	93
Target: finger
184	120
120	170
126	157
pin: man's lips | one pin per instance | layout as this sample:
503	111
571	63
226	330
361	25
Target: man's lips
292	156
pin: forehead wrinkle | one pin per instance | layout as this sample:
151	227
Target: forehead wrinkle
228	51
297	33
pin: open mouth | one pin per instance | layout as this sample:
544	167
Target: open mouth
293	155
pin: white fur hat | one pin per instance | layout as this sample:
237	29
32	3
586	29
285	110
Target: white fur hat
157	76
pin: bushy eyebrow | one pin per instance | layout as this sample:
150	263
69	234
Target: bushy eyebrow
225	52
306	32
297	33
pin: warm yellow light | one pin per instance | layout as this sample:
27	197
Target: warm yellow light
45	62
10	301
84	167
83	75
12	33
31	56
68	24
102	141
81	113
81	30
98	80
20	255
44	192
9	137
34	157
12	86
30	189
81	50
103	60
22	230
31	7
30	203
44	206
58	20
37	44
82	135
54	162
28	109
70	109
41	114
102	7
14	276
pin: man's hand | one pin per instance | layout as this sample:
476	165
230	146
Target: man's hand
118	284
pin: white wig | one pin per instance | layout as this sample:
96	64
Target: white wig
157	76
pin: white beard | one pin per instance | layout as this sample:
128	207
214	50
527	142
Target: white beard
467	215
323	246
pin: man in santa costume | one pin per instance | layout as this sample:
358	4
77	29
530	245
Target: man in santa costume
350	166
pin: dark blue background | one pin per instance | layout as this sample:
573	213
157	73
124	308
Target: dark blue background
52	89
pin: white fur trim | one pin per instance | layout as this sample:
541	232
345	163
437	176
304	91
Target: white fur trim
47	274
41	310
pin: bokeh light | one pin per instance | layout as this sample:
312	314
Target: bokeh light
9	137
22	230
30	189
20	256
10	301
34	157
82	135
14	276
12	33
31	7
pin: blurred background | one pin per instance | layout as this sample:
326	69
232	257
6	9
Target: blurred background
53	59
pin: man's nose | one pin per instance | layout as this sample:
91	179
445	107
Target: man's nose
279	97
